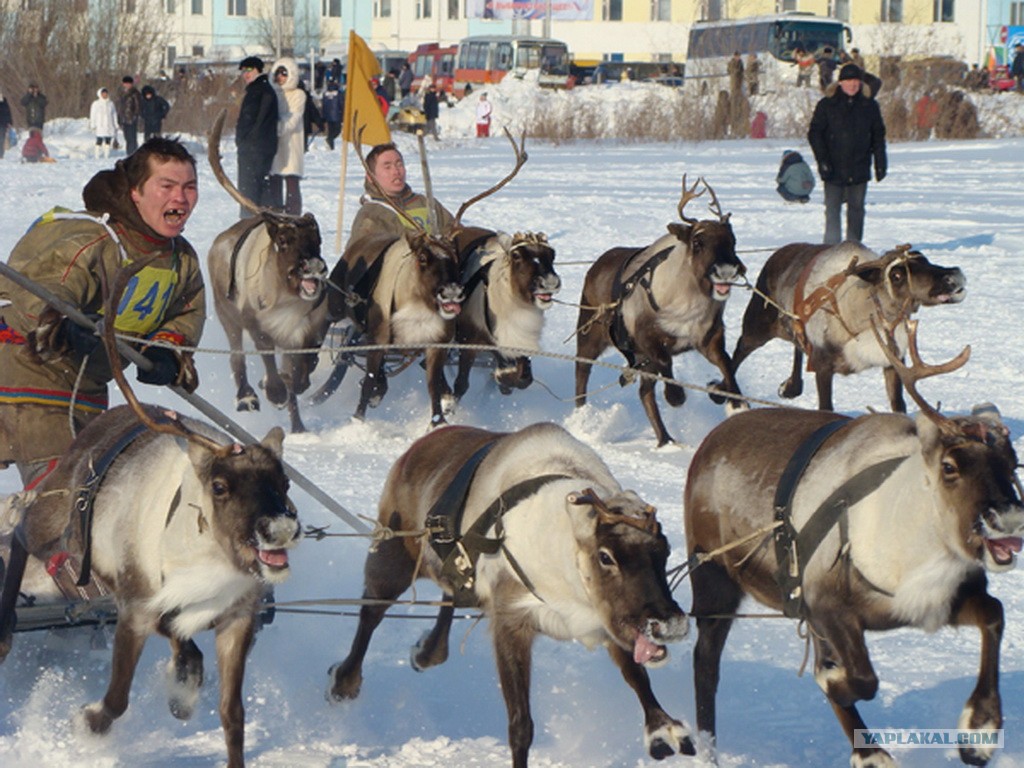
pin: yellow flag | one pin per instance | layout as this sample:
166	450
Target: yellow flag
360	98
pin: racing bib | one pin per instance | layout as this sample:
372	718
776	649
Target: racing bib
145	300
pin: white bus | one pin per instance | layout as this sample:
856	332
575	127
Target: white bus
772	38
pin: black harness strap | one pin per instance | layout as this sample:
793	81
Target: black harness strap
459	551
255	222
623	289
793	549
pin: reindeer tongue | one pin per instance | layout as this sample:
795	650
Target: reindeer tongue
644	650
276	558
1002	549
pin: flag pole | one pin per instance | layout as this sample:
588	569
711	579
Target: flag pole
341	195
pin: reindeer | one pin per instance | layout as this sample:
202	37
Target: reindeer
546	542
821	298
509	282
855	524
653	303
185	528
268	280
407	292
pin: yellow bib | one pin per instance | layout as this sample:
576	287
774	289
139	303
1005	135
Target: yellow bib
145	300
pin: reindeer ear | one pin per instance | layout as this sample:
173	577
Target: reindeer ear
582	513
929	434
870	273
274	442
201	457
681	231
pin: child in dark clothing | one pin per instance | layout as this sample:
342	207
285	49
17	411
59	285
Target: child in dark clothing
795	179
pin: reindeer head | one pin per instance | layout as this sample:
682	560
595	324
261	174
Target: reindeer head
621	556
532	267
296	244
908	279
437	266
971	464
711	243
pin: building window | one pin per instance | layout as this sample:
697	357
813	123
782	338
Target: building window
944	10
1016	14
197	51
171	6
424	9
127	6
714	10
172	55
661	10
453	10
840	10
611	10
382	9
892	11
238	7
781	6
197	7
332	9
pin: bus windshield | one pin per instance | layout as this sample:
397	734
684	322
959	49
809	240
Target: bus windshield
549	58
790	35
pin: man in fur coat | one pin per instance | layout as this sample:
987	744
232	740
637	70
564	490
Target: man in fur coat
55	371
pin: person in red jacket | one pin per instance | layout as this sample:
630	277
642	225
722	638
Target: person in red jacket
34	150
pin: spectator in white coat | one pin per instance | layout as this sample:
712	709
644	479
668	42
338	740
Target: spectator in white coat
103	122
288	166
483	117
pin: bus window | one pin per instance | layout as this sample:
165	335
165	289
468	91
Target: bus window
503	57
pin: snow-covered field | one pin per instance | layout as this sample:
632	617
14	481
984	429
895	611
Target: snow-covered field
960	203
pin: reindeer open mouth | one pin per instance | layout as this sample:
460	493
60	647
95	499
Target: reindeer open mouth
449	301
311	281
1001	548
648	647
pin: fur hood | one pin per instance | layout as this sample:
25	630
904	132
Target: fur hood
109	192
291	82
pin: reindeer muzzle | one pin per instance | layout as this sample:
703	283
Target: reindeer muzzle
449	301
311	281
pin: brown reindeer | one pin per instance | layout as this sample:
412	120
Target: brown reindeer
822	297
268	280
407	293
653	303
547	543
510	281
855	525
184	527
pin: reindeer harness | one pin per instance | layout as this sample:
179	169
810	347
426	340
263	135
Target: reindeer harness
795	548
623	288
459	552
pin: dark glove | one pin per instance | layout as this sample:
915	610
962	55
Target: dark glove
164	370
56	336
82	340
824	170
879	172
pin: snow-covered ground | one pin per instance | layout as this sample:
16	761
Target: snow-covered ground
960	203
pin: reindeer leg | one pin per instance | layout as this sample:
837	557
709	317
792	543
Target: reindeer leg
984	708
894	388
246	398
591	340
388	573
234	639
759	321
713	349
275	386
794	385
513	645
715	598
432	648
651	409
663	735
441	401
823	378
185	677
15	571
466	358
128	645
375	383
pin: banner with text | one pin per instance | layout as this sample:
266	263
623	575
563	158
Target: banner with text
561	10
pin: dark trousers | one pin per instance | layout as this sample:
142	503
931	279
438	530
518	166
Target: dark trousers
253	183
286	194
853	196
131	137
333	131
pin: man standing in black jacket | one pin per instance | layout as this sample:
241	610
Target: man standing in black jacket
846	134
256	134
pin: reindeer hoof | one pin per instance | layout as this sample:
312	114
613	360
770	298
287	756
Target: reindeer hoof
671	738
96	717
448	403
426	654
675	395
716	397
346	685
247	403
790	388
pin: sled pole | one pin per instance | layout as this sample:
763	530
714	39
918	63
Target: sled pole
206	408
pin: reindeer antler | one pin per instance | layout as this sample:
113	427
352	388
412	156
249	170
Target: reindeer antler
112	298
521	158
919	369
687	196
645	521
714	205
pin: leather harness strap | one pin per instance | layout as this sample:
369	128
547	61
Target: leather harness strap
459	551
623	289
793	548
824	296
254	222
